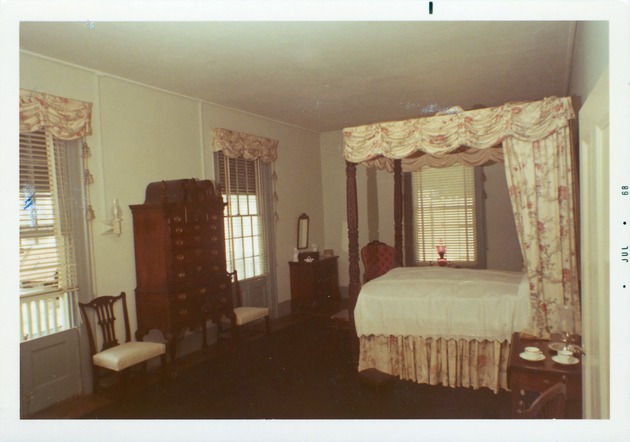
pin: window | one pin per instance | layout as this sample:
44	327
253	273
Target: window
48	265
445	207
245	242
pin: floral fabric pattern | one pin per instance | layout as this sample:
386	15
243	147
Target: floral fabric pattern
540	180
241	145
442	134
67	119
447	362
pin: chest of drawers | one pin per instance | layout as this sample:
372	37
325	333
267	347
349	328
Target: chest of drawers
314	284
180	258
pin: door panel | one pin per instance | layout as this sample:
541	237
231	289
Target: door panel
595	259
49	370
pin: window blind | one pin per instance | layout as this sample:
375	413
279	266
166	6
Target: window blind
443	207
244	227
48	269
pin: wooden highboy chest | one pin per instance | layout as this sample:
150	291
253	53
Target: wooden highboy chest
180	258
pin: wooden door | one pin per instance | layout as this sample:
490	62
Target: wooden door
594	217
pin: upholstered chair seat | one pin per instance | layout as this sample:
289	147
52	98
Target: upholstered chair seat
128	354
115	356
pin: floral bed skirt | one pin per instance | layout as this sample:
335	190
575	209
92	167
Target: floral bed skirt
449	362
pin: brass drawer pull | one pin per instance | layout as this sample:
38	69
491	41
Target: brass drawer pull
203	290
222	286
179	242
179	229
214	238
181	296
214	252
180	257
215	268
183	312
181	274
214	227
177	219
214	217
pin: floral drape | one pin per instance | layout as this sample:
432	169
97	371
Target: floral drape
237	144
67	119
540	180
535	140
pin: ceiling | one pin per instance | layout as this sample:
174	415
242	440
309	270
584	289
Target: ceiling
324	76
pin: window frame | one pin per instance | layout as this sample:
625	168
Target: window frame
247	186
411	258
49	305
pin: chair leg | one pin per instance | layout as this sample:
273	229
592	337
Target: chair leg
267	326
95	381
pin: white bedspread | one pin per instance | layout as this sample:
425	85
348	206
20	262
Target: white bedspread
444	303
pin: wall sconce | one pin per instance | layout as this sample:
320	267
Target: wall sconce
116	221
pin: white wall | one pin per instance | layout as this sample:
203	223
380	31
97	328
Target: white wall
590	59
141	134
503	248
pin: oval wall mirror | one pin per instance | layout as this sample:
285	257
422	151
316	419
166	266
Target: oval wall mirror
302	232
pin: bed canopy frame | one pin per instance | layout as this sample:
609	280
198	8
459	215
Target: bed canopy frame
533	140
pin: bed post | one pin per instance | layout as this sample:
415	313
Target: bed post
398	212
353	237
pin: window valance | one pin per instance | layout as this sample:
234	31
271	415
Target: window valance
237	144
437	136
67	119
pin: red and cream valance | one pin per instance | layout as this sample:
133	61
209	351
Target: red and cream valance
481	131
66	118
237	144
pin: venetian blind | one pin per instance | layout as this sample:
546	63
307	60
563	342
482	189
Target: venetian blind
47	254
244	226
443	205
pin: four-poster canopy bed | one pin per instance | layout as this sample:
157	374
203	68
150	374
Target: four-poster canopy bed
533	141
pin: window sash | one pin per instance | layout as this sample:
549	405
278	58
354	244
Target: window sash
245	239
48	264
443	205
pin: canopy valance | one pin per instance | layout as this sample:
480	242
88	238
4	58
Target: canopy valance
67	119
480	131
237	144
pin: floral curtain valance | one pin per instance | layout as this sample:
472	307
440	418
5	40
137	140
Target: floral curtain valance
66	118
442	134
238	144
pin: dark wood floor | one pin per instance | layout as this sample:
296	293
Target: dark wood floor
82	405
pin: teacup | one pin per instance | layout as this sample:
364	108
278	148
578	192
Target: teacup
533	351
565	356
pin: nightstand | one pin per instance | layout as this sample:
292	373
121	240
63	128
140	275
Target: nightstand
528	379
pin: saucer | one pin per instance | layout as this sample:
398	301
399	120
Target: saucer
571	361
536	357
557	346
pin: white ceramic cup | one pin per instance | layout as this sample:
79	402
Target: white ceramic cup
565	356
533	351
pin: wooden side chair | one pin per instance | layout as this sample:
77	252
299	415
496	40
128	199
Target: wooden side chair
378	258
113	355
242	315
549	405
